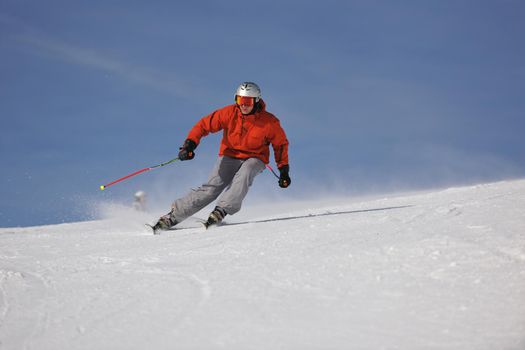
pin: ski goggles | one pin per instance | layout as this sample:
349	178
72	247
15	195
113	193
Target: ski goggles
244	100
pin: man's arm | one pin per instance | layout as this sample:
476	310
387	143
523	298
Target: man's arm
209	124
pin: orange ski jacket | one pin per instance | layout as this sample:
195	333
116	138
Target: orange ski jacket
245	136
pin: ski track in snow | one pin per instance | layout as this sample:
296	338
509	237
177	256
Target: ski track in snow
431	270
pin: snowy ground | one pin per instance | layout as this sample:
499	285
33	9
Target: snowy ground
435	270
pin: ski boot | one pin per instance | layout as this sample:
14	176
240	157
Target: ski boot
165	223
215	218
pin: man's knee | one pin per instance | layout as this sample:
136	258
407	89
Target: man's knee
251	168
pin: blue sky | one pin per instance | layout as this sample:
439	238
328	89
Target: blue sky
375	96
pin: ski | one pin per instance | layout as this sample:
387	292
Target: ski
206	225
159	231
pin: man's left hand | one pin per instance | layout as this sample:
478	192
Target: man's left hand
284	179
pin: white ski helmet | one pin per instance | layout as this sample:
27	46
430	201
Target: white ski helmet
249	89
140	195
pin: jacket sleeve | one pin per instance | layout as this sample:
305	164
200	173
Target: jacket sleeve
279	143
211	123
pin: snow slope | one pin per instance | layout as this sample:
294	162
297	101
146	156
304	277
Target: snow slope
435	270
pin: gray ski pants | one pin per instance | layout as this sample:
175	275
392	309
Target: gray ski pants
234	175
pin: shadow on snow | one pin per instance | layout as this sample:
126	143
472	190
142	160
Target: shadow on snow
329	213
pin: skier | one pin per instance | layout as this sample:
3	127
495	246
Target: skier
139	204
248	130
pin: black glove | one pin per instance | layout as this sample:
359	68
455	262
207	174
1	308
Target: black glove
186	151
284	179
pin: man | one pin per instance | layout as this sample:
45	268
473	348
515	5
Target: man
139	203
248	130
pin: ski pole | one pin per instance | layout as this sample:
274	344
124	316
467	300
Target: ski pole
103	187
273	172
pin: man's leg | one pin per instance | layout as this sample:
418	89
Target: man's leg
221	176
231	200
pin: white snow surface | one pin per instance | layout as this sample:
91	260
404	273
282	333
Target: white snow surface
442	269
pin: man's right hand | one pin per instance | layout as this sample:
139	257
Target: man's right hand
186	151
